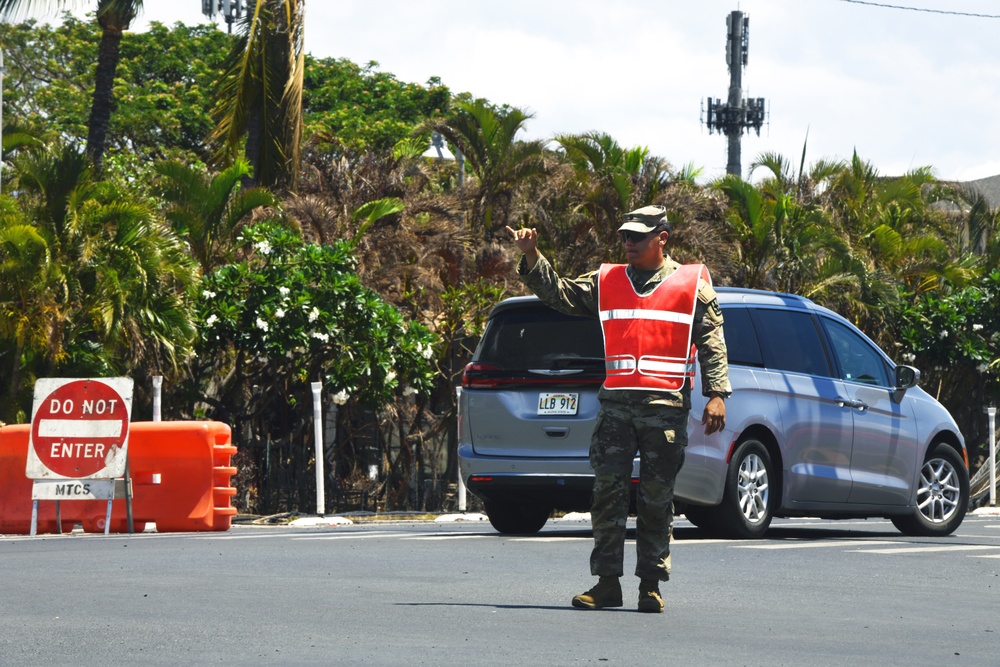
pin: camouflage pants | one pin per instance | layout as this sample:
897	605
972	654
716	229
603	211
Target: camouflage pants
659	434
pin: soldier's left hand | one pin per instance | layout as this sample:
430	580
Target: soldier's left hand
714	417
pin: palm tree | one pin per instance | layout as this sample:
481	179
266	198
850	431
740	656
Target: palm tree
614	179
260	94
487	137
114	17
26	304
112	280
209	210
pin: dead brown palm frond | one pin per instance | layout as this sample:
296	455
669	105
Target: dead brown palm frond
317	220
700	232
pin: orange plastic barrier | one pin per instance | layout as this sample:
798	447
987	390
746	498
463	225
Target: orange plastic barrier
180	472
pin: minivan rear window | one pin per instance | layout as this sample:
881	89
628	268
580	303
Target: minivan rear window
539	337
790	341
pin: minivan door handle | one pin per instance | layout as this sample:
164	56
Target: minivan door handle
850	403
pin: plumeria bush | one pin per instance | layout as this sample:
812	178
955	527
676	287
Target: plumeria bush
291	313
954	339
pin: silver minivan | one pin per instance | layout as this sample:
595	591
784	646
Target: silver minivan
821	423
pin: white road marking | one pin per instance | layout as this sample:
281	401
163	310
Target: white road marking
919	550
551	539
446	537
344	536
817	545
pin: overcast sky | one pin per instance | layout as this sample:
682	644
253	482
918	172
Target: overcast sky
904	88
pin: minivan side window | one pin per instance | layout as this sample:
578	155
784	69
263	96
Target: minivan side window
856	359
741	341
790	341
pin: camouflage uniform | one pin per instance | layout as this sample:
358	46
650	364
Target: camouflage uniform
652	423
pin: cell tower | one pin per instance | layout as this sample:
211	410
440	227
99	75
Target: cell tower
738	114
230	10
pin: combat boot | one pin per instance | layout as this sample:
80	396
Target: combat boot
649	596
607	593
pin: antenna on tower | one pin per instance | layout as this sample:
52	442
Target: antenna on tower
737	114
231	10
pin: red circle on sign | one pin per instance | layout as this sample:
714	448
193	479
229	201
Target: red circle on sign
79	428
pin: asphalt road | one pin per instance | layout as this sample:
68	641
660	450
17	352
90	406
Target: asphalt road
812	593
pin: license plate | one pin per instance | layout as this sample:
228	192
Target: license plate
558	404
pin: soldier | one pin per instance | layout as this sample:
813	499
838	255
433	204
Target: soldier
654	313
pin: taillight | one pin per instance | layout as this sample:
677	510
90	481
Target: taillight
480	376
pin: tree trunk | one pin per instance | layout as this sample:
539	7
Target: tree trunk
104	85
255	122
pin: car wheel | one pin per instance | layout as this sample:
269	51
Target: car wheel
702	517
746	508
517	518
942	496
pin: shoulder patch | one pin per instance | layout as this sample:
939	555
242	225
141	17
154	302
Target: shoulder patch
706	294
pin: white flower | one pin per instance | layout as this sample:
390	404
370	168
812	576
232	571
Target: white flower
943	334
264	247
982	368
209	294
279	313
320	336
212	319
341	397
409	391
425	352
313	314
284	291
977	327
261	324
390	376
909	357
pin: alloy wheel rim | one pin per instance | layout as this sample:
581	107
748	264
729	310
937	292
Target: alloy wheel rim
753	489
939	493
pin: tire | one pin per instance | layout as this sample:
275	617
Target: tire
942	496
515	518
747	504
703	517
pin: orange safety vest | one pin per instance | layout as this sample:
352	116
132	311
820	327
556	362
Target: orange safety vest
647	338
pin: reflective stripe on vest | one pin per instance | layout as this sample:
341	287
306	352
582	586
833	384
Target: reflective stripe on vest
647	338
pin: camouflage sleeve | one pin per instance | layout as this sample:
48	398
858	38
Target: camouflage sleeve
573	297
711	342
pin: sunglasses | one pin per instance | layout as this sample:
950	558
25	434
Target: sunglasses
634	237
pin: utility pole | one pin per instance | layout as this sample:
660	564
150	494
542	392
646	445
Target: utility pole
737	114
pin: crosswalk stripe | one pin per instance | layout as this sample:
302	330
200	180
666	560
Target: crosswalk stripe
345	536
918	550
816	545
552	539
446	537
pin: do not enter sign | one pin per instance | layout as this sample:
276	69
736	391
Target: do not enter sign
79	428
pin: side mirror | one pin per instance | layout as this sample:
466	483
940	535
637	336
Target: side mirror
906	377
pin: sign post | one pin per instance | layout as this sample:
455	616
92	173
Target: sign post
78	443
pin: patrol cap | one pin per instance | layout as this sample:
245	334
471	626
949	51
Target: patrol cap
645	219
